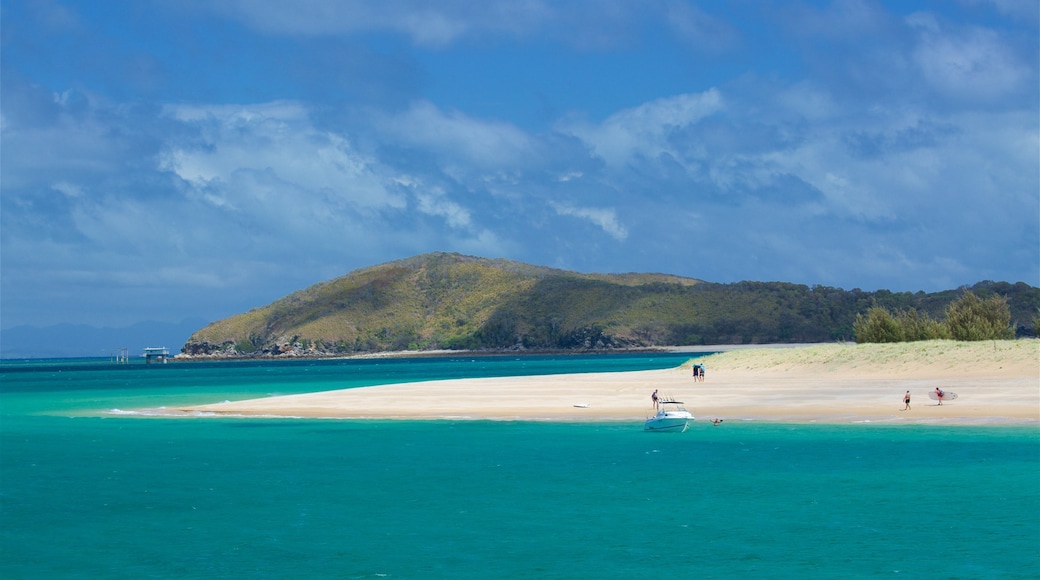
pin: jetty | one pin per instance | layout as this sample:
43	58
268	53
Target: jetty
156	354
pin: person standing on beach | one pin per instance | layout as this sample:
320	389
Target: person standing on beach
906	401
940	394
653	398
700	373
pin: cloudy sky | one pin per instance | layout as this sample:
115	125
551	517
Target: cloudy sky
173	159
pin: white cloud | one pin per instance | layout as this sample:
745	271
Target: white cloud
455	136
434	202
270	158
804	100
454	214
603	218
67	145
973	64
68	189
856	146
239	115
645	130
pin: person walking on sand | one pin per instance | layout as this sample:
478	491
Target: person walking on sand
906	401
653	398
939	394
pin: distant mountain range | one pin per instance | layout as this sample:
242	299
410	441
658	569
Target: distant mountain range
450	301
77	340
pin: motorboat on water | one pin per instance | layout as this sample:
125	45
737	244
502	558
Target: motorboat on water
671	416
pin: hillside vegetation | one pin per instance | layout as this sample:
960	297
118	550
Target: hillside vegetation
450	301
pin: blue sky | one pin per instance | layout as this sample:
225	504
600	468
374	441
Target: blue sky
173	159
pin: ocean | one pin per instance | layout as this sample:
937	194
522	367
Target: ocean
88	489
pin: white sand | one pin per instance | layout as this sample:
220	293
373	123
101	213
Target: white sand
997	383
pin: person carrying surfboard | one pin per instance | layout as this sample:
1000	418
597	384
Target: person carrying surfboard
940	394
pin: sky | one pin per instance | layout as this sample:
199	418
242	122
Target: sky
163	160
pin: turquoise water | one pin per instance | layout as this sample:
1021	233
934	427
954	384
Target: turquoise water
86	494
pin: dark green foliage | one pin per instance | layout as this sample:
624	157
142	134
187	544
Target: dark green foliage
245	347
919	326
967	318
972	318
449	301
1023	301
878	326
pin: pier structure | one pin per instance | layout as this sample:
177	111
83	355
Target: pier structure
156	354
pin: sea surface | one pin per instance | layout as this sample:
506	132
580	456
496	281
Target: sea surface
90	490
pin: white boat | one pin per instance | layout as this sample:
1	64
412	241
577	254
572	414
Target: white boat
671	416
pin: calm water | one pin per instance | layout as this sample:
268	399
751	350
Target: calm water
87	494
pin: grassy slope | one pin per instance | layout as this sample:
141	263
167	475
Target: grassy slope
437	295
462	302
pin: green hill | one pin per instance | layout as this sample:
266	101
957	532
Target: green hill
450	301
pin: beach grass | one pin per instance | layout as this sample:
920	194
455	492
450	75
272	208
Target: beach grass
892	359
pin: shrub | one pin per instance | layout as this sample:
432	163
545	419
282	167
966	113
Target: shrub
971	318
878	326
919	326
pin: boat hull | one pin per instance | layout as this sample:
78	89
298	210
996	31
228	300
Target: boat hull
676	425
670	416
668	423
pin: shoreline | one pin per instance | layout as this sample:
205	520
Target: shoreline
711	348
998	384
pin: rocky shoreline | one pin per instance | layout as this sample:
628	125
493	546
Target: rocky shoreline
229	352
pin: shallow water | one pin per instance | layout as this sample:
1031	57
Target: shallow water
87	494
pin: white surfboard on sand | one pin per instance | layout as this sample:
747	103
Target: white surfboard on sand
947	396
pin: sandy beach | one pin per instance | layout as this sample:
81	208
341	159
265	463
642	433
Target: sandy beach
997	382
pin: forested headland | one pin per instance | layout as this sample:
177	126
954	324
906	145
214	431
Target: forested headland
447	301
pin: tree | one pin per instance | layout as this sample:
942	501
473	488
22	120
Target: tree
971	318
919	326
877	326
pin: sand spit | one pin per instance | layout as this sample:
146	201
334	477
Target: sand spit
998	382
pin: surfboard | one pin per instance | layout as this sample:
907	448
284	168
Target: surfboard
947	395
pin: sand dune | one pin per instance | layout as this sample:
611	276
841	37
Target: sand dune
998	382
